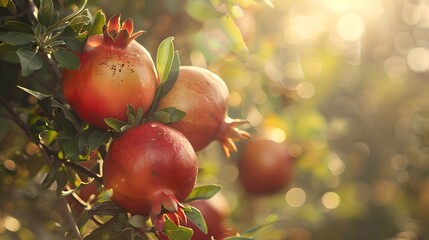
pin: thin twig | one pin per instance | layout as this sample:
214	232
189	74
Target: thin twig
71	219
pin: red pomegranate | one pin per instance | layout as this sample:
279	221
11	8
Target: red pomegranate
151	168
203	95
214	213
265	166
115	71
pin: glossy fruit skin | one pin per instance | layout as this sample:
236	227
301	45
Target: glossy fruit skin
264	166
145	161
203	95
108	79
214	221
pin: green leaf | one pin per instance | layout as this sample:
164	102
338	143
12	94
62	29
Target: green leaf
35	94
201	10
97	138
195	216
16	38
115	124
9	5
67	59
97	23
203	192
227	24
164	58
177	233
49	179
46	12
168	115
62	181
166	86
83	142
71	148
37	128
15	26
73	42
65	126
30	60
8	53
137	221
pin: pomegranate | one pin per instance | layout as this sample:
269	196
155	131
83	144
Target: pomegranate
151	168
214	211
203	95
264	166
115	71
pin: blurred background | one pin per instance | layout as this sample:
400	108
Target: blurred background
343	82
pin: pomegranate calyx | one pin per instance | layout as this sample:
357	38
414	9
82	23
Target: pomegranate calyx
229	133
119	35
166	204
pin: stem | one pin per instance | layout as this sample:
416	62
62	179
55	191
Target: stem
71	220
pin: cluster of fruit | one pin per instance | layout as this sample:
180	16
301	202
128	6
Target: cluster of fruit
152	167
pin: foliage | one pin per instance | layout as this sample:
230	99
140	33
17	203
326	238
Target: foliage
342	82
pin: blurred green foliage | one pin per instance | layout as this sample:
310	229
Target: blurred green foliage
343	82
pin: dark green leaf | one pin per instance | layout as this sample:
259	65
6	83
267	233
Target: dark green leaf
70	149
168	115
201	10
15	26
8	53
195	216
54	19
16	38
203	192
67	59
66	127
72	42
177	233
97	138
97	24
30	60
46	11
62	180
35	94
37	128
50	178
83	142
45	105
164	58
115	124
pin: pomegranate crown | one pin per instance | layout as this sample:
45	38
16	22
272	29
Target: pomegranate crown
119	35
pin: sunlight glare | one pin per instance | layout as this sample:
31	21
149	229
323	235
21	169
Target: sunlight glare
350	27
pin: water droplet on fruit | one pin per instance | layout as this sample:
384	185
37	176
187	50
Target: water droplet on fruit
153	125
